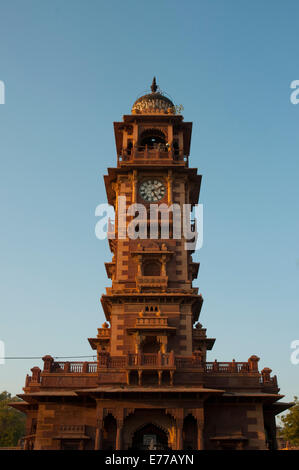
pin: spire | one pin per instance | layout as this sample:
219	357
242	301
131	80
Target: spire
154	85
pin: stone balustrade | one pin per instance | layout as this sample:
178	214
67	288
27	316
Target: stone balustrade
152	281
104	333
150	154
74	367
149	361
151	321
73	428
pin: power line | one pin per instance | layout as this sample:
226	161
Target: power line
40	357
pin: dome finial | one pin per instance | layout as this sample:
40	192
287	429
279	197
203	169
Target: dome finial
154	85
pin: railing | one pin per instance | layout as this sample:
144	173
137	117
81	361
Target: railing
153	361
72	428
157	152
74	367
136	360
212	367
152	281
169	360
151	321
227	367
188	362
104	333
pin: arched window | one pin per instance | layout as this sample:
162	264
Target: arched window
152	138
189	433
109	432
150	437
152	269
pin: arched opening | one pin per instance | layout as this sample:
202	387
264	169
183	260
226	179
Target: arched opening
152	138
109	432
151	308
152	269
190	433
150	437
270	438
150	345
176	148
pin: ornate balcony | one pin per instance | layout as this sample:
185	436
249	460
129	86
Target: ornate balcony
104	333
153	282
137	361
150	154
151	321
149	324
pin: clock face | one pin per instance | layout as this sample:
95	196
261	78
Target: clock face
152	190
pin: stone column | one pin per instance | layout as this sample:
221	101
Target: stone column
99	429
179	434
198	413
119	429
134	180
163	343
139	377
200	443
169	187
160	372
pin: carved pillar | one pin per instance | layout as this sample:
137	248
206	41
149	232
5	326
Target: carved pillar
266	374
198	413
170	135
140	377
137	343
160	372
139	265
171	377
99	429
163	343
163	267
134	180
119	429
169	187
179	433
115	188
200	444
35	375
253	363
48	362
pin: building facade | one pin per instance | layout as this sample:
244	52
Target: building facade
151	386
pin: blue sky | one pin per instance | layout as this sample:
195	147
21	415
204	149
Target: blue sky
72	68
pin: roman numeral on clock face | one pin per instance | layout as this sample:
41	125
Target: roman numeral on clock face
152	190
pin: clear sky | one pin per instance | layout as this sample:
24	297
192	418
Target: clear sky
70	69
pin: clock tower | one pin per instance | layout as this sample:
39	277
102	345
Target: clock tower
151	386
151	305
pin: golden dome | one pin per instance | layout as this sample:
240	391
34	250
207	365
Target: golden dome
153	103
